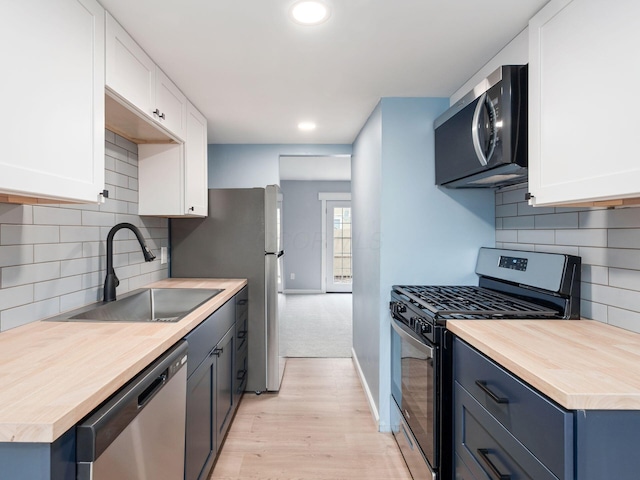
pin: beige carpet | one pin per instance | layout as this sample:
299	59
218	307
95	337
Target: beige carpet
316	325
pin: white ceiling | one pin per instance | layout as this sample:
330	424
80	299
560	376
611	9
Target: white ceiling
255	74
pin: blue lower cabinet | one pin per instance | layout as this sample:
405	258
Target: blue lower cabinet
42	461
504	428
212	387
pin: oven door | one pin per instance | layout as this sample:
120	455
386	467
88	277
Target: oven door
414	380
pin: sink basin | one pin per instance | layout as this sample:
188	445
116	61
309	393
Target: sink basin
148	305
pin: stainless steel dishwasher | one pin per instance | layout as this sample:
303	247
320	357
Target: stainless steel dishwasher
139	433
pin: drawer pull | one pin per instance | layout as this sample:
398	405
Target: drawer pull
483	386
242	334
484	452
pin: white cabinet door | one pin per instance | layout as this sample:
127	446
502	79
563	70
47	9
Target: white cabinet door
583	101
52	84
131	73
171	105
138	82
172	178
196	179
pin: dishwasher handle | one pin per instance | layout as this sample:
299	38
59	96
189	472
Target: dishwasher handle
97	431
152	389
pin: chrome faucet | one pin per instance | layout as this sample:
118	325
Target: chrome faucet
111	281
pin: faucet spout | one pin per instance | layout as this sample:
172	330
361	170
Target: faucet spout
111	280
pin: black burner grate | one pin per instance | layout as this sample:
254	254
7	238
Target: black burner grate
450	302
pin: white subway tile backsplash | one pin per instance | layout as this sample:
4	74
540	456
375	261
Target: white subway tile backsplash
56	216
56	288
557	220
525	209
20	214
122	166
98	219
608	240
537	236
624	278
586	237
52	258
624	238
80	298
15	296
57	251
627	319
518	223
506	235
15	255
507	210
116	179
32	273
28	234
79	234
14	317
595	274
514	196
115	151
69	268
557	249
126	195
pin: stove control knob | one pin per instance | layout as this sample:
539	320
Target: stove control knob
400	307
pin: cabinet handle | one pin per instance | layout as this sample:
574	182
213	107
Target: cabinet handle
484	452
241	375
242	334
191	209
483	386
216	352
157	112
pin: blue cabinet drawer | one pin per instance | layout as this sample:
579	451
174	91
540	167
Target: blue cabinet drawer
202	339
487	449
540	425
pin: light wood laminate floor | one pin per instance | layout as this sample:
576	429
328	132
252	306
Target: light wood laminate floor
318	427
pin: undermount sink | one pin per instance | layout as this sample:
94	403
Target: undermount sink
147	305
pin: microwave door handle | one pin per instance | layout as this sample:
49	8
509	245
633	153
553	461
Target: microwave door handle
483	157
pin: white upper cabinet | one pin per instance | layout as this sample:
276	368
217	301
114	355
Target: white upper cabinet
196	176
130	72
135	79
173	178
52	84
583	102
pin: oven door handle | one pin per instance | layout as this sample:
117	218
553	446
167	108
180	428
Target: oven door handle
413	341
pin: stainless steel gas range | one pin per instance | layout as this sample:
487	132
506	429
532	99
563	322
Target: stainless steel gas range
512	284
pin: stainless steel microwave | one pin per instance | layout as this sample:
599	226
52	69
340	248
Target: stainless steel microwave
481	141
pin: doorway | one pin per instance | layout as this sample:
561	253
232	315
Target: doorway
339	273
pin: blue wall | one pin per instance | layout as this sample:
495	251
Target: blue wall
248	166
302	229
414	232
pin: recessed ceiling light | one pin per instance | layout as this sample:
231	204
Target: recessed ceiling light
306	126
309	12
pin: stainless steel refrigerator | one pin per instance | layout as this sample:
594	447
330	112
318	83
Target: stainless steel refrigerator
240	239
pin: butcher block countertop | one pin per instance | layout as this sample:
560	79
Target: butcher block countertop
52	374
581	364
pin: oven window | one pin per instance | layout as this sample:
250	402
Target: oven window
413	388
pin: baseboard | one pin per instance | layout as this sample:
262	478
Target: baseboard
372	405
301	292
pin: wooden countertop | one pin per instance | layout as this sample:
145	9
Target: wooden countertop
52	374
581	364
